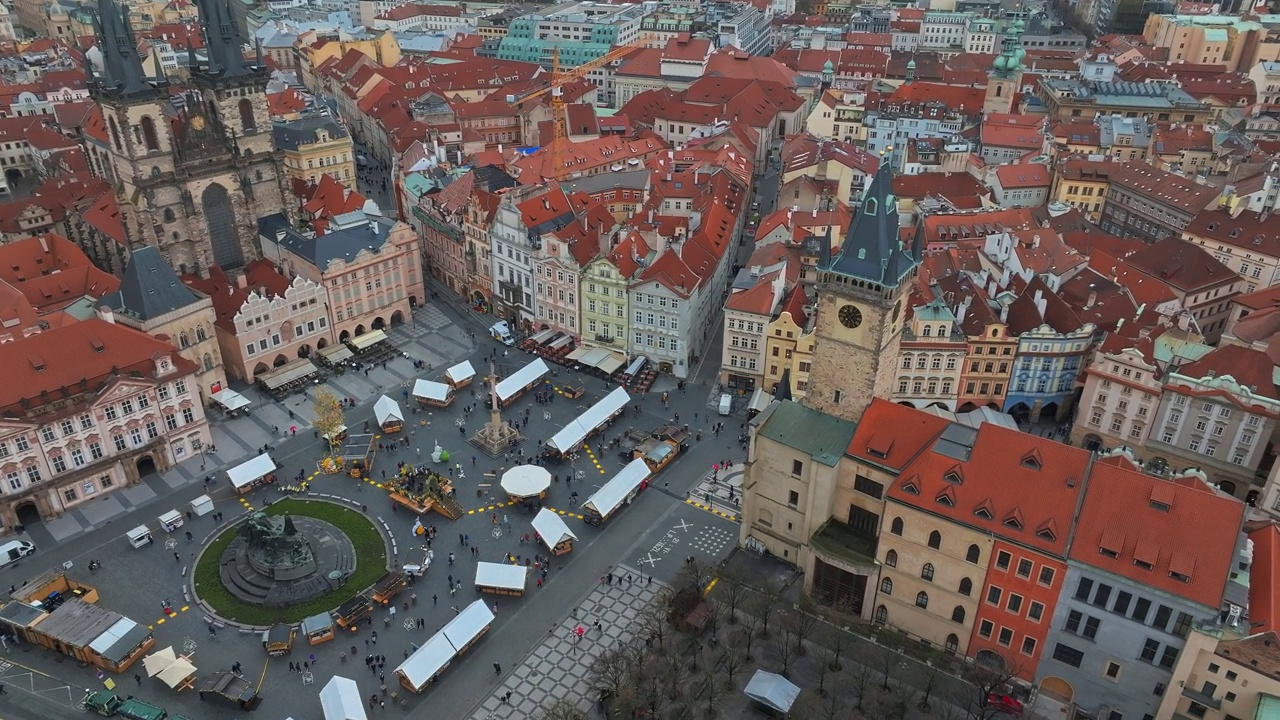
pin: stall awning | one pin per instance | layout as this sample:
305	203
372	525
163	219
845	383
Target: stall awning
250	470
340	700
430	390
427	660
759	400
560	342
125	644
637	365
335	353
521	379
543	336
552	528
772	690
178	672
230	399
577	354
526	480
461	371
386	410
367	340
593	357
468	625
287	373
590	420
610	365
501	575
611	494
158	660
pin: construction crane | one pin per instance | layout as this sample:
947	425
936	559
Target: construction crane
560	78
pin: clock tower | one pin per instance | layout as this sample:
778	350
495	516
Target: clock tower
861	306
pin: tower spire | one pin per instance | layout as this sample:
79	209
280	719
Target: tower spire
222	40
121	66
872	250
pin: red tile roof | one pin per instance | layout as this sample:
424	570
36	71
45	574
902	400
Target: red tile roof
91	351
1029	175
1012	131
1129	518
1013	485
1249	231
758	299
1181	265
1247	366
891	435
1264	579
51	271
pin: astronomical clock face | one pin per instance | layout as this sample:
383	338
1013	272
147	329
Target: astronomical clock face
850	316
197	123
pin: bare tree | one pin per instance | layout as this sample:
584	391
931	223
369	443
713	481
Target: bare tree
783	649
988	673
561	710
888	660
732	593
713	692
833	707
861	677
610	672
748	634
837	640
927	679
653	622
823	668
803	626
764	603
714	617
733	659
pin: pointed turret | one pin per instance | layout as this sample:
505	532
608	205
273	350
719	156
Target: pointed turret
872	251
121	67
222	40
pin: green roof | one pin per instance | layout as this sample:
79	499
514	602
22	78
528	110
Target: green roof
1167	347
1268	707
823	437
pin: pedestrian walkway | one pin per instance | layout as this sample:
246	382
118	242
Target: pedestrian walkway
720	493
560	668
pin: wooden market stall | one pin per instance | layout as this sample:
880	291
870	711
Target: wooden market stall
252	473
424	666
501	578
591	421
278	640
619	491
351	612
388	414
460	375
553	531
318	628
521	381
51	588
388	586
433	394
87	633
526	482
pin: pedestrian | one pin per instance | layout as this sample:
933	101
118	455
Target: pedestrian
506	698
3	691
497	669
434	599
188	536
177	557
138	679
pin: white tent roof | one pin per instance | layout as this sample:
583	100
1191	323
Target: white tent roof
118	629
521	379
501	575
772	690
592	418
250	470
426	661
468	625
611	494
340	700
431	390
552	528
230	399
158	660
178	671
611	364
387	409
526	480
373	337
461	371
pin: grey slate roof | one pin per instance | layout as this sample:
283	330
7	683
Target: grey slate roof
149	287
348	235
871	250
295	133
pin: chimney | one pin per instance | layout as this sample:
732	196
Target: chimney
242	281
105	314
1093	299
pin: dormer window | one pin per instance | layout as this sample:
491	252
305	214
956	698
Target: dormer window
953	477
1032	460
944	498
1179	577
1157	505
910	487
1013	520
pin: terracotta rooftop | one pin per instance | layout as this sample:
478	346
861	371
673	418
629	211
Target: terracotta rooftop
1181	265
1249	231
891	435
1029	175
1160	186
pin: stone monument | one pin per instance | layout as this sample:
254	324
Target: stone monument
285	560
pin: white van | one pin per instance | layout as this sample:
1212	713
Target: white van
726	404
502	333
15	550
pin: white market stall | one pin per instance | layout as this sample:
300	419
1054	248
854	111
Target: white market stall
340	700
501	578
388	414
592	420
202	505
170	521
252	473
525	482
427	662
772	690
521	380
435	394
230	401
553	531
460	375
617	492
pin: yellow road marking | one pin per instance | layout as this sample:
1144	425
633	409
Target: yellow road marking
712	510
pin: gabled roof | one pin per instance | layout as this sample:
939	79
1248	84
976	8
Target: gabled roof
871	249
1014	485
1182	265
1248	367
820	436
758	299
1264	579
149	287
891	435
1130	521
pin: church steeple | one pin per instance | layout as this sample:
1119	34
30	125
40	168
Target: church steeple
223	42
871	251
121	67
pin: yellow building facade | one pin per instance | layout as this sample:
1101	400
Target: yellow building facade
314	147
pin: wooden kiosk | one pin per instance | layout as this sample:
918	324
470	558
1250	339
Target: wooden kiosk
501	578
432	394
388	586
318	628
619	491
424	666
278	640
553	532
388	414
460	375
351	612
252	474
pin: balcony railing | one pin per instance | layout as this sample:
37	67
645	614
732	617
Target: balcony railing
1197	696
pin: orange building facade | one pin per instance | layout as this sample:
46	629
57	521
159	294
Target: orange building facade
1016	605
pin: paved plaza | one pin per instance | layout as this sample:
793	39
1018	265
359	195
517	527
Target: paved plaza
651	537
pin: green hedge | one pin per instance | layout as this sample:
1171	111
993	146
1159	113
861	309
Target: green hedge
371	563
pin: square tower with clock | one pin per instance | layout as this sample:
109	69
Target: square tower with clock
862	289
